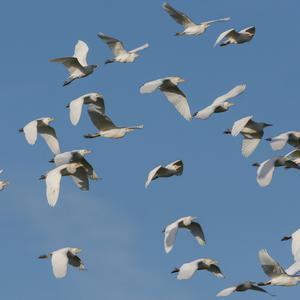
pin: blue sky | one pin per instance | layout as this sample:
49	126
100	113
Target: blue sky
118	223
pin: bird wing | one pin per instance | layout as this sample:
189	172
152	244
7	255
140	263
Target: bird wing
115	45
59	262
294	156
178	16
62	158
53	179
295	268
177	98
239	89
258	289
81	51
1	171
228	33
151	86
239	125
205	113
76	109
196	230
250	30
187	270
265	172
170	236
30	131
71	63
176	163
99	119
215	270
152	174
89	169
215	21
139	48
271	267
49	135
80	178
227	292
278	142
249	145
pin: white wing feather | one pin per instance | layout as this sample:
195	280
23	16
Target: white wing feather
59	262
226	292
139	48
170	236
239	125
76	109
239	89
187	270
265	172
151	175
279	141
223	35
249	146
81	51
53	179
30	131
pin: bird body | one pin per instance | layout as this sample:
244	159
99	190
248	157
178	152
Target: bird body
190	28
273	269
77	172
252	132
266	169
120	53
231	36
187	270
61	258
77	65
114	133
41	126
174	168
185	223
169	87
76	156
242	287
220	104
291	137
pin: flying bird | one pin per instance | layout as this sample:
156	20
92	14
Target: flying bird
187	270
174	168
77	64
252	132
76	156
76	105
220	104
266	169
190	28
61	258
275	271
77	172
231	36
120	53
41	126
295	237
169	87
104	124
185	223
3	183
291	137
242	287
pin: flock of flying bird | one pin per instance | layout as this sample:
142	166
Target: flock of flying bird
74	164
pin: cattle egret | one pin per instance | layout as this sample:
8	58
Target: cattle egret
231	36
3	183
77	65
291	137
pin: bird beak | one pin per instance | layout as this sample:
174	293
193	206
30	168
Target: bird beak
51	119
231	104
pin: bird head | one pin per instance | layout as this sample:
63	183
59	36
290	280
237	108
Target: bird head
75	250
84	152
48	120
177	80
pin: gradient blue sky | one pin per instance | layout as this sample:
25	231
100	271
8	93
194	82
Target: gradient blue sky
118	223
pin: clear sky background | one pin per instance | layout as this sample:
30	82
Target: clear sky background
118	223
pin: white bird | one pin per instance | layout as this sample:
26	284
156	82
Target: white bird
242	287
76	105
3	183
120	53
266	169
294	268
77	65
190	28
291	137
186	223
187	270
61	258
220	104
169	87
252	132
41	126
275	271
104	124
232	36
53	178
174	168
76	156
